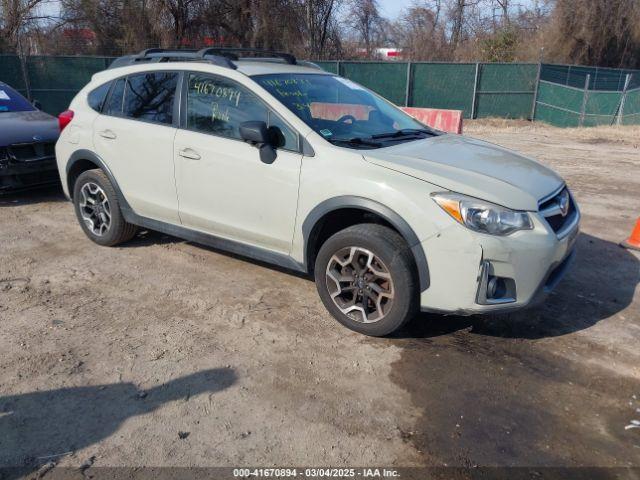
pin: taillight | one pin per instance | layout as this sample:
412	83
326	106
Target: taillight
65	118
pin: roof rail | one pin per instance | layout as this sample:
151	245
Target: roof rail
156	55
232	52
221	56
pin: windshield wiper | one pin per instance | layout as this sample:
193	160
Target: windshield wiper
405	132
357	141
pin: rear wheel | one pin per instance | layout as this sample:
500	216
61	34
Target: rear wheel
365	275
98	210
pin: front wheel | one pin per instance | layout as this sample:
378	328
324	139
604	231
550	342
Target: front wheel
365	275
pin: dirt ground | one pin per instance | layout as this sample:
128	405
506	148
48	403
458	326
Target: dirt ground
166	353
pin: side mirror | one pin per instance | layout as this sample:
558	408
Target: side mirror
37	104
256	133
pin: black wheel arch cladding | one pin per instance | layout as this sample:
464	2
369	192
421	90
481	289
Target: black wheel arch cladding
313	219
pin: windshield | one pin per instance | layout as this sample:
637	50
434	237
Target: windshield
342	111
12	101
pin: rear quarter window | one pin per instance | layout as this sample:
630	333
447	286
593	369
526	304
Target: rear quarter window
113	105
97	96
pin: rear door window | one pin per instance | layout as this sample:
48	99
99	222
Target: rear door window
113	105
150	96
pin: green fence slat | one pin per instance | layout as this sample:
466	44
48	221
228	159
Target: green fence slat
559	105
631	113
11	72
331	67
62	72
601	108
554	116
53	102
503	105
560	96
443	85
507	77
54	81
388	79
505	90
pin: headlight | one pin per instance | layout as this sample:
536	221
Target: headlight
482	216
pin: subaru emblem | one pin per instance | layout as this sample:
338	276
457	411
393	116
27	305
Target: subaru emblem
563	203
37	138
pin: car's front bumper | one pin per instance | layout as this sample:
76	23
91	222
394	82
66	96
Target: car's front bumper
460	261
19	175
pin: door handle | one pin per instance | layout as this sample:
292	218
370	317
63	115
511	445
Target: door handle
107	134
189	153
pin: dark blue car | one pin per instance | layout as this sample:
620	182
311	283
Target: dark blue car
27	140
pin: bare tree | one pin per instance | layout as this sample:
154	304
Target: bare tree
457	14
366	21
596	32
180	17
503	5
16	15
318	22
419	32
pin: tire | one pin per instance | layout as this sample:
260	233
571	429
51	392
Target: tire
393	272
118	229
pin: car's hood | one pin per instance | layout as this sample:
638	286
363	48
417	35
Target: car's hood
27	127
472	167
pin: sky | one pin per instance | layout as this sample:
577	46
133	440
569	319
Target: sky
392	8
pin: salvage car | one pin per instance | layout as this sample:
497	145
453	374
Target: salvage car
258	154
27	143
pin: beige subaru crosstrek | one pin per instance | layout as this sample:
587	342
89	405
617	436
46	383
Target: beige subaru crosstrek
279	161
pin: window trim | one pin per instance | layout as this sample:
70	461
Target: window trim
177	101
270	111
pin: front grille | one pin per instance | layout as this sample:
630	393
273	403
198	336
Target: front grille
559	211
29	152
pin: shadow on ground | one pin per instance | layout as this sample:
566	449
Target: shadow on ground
600	283
49	193
39	427
520	390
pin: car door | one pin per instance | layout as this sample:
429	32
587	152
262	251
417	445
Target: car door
223	186
134	135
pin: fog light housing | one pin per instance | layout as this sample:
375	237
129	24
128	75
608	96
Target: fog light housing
493	289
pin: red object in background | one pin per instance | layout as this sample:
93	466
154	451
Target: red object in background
393	53
64	119
446	120
85	34
198	43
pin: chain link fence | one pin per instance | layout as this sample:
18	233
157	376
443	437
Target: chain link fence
562	95
569	106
